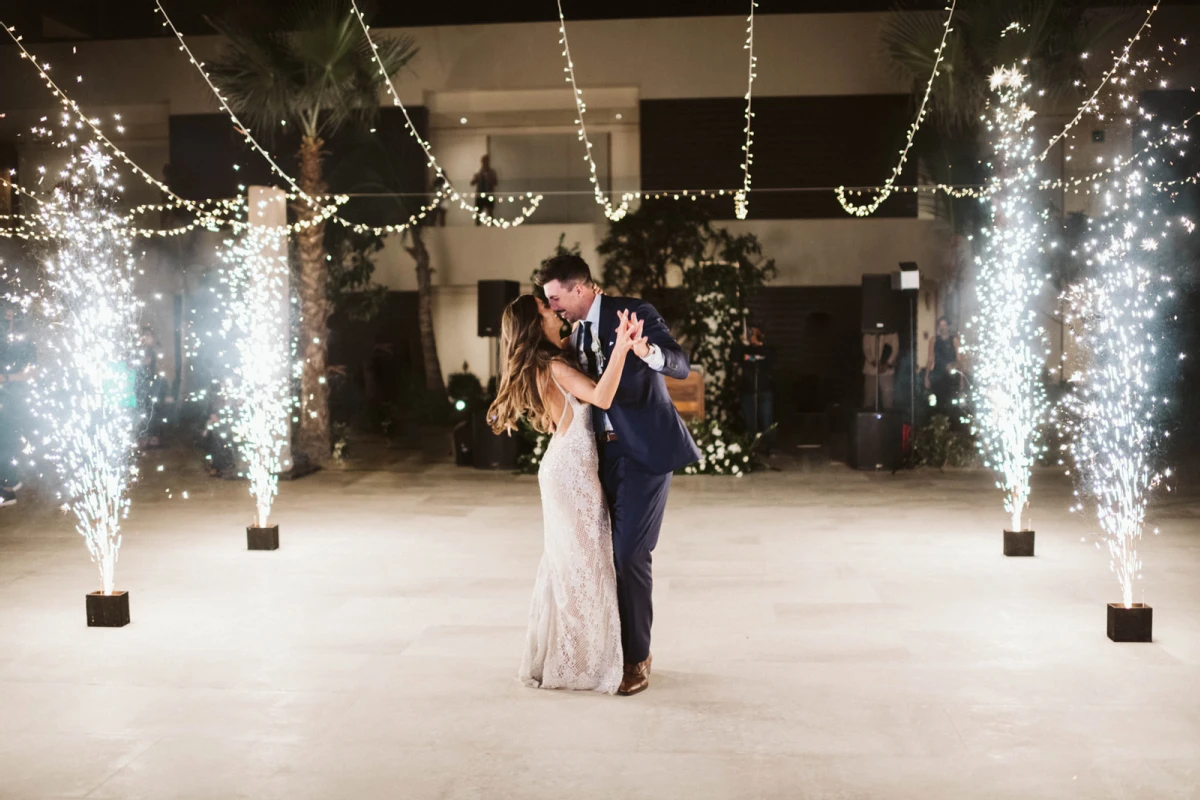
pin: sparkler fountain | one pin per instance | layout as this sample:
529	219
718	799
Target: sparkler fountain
82	393
1008	347
257	389
1113	416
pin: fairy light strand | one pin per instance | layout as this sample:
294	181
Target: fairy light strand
614	212
871	207
1089	104
446	186
741	199
74	108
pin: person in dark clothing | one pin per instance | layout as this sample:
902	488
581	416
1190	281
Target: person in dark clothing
438	212
943	376
485	183
17	359
219	459
757	362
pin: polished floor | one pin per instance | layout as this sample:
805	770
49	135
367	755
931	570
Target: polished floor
824	634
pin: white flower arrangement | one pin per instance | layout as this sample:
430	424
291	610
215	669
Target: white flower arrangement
532	462
721	453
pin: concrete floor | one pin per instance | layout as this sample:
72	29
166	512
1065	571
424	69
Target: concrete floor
820	635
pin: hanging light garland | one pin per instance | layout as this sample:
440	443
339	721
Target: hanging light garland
741	199
871	207
614	212
72	108
212	214
445	186
1090	103
323	213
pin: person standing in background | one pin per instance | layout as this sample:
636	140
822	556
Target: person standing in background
485	183
17	359
880	351
438	213
757	361
943	374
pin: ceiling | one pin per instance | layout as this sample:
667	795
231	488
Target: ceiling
42	20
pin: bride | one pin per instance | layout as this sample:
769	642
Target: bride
574	638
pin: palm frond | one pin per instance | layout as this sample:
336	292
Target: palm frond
255	74
910	41
321	74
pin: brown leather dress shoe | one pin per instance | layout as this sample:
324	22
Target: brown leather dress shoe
637	678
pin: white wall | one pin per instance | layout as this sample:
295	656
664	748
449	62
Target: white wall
801	54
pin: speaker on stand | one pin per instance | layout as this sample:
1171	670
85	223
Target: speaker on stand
908	282
490	450
876	433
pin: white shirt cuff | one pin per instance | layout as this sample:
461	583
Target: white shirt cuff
655	360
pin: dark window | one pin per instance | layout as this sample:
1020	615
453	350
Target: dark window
205	147
799	142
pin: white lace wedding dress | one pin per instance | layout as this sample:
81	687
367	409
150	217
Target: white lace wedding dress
574	638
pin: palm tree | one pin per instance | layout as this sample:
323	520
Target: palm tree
319	76
435	385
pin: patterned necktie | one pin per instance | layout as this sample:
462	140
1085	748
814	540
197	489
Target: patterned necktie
588	356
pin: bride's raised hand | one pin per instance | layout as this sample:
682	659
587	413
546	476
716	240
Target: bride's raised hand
627	332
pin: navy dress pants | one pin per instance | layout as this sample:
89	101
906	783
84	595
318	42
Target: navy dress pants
636	501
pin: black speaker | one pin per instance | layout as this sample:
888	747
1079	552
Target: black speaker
463	442
494	297
876	440
881	304
491	450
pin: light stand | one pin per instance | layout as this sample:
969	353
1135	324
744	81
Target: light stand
908	281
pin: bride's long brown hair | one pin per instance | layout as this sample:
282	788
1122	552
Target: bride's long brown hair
527	357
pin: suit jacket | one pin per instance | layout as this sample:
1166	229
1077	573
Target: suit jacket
642	415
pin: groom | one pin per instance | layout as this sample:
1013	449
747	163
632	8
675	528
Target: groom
641	439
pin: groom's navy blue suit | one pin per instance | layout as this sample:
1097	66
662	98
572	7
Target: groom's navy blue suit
651	442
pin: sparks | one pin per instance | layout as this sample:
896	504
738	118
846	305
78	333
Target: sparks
1008	347
1113	414
256	387
82	393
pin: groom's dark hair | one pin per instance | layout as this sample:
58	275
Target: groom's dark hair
569	270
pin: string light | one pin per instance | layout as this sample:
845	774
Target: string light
212	215
445	186
741	199
1009	348
244	129
1089	104
73	108
871	207
82	392
224	212
613	212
